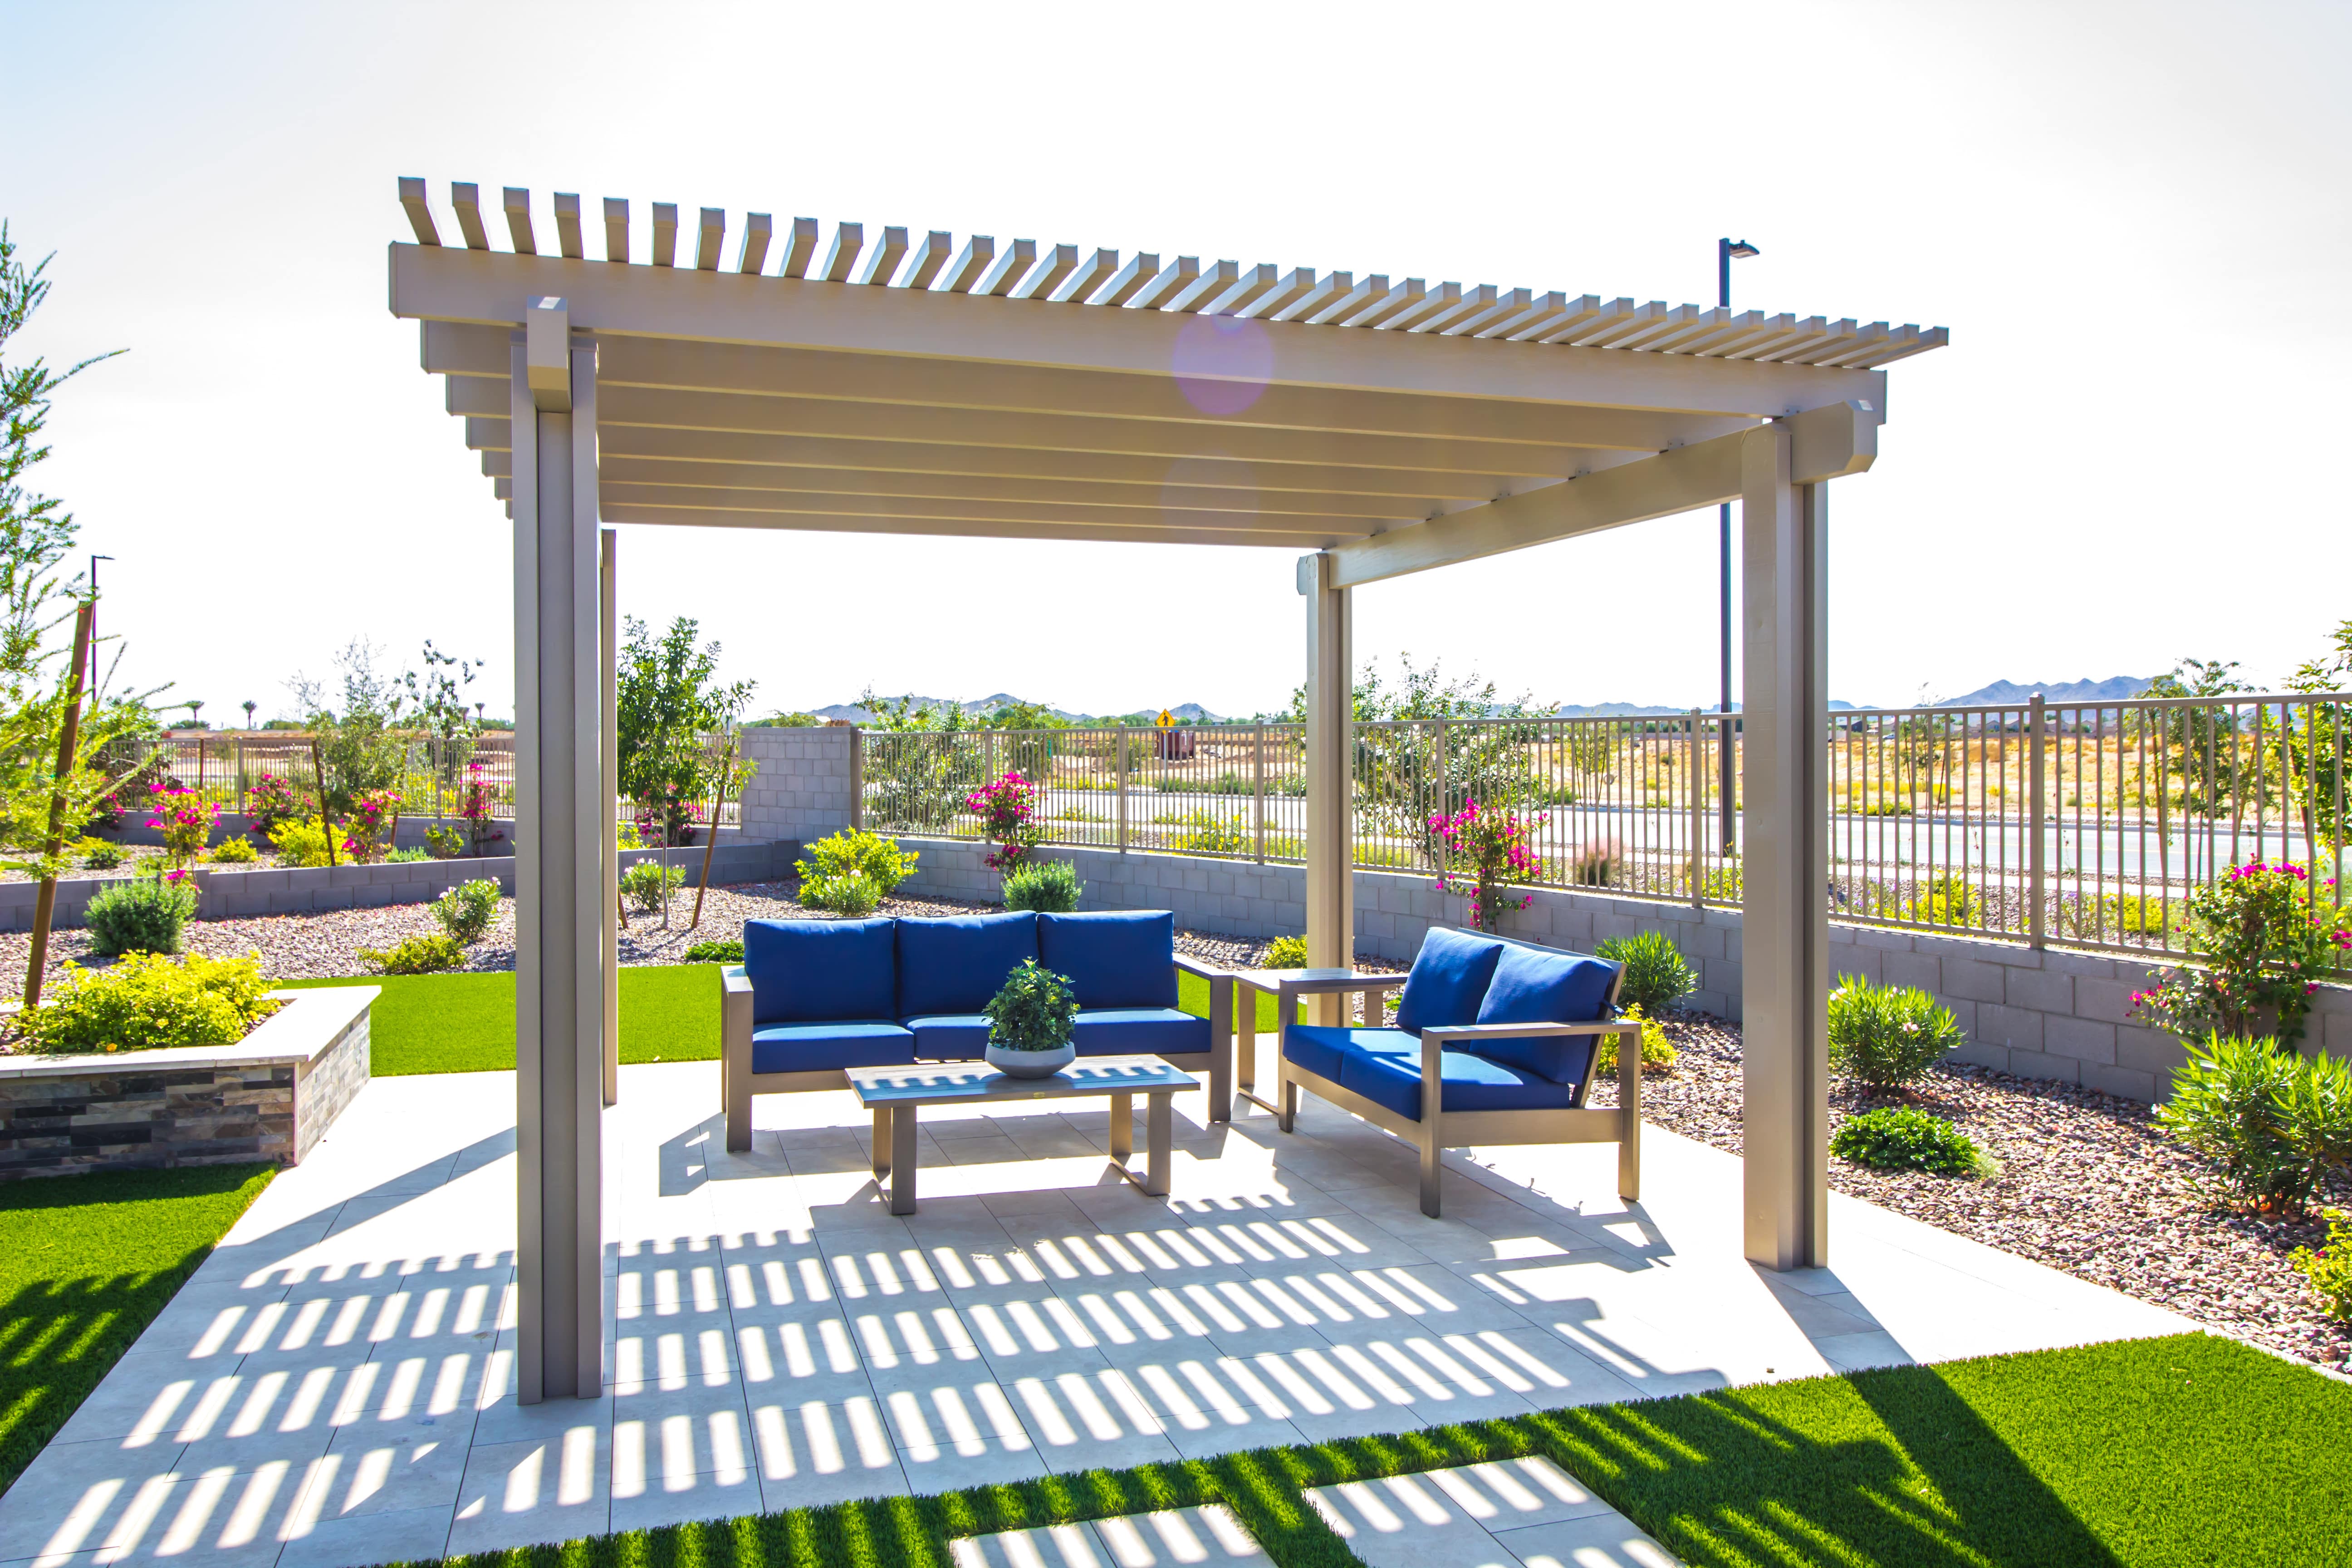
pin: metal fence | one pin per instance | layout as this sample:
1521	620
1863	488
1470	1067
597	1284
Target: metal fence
2083	824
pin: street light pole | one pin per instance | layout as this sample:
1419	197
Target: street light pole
1726	745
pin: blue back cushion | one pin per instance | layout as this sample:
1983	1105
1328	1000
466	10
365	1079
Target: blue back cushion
813	971
1531	986
958	966
1448	980
1115	959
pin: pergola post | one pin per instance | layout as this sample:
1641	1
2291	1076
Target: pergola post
608	919
1330	743
1784	935
559	958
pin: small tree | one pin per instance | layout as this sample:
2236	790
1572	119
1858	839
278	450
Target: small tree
437	698
669	706
1485	849
361	747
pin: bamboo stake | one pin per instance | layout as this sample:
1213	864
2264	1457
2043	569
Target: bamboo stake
326	826
711	838
44	905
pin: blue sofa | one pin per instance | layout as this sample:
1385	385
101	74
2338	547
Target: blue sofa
811	997
1494	1043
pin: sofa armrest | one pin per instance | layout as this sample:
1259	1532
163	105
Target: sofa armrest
1192	965
735	1054
1220	1034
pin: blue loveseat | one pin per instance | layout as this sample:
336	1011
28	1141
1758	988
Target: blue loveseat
811	997
1494	1043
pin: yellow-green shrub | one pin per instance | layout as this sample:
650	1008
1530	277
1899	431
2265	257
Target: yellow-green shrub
148	1002
236	849
300	841
427	954
1658	1053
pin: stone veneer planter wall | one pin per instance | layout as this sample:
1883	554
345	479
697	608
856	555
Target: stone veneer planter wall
269	1096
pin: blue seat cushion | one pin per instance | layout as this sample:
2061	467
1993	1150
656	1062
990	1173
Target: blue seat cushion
1139	1031
1448	980
950	1036
958	966
1317	1047
846	1043
811	971
1392	1078
1123	958
1532	986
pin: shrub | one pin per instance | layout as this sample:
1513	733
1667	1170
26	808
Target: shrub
449	843
1658	1053
878	859
148	1002
1034	1010
236	849
1479	851
465	912
2266	947
373	816
850	893
1007	810
1286	952
1206	833
300	841
2277	1122
1049	887
184	818
1943	901
718	950
428	953
1887	1037
409	857
2328	1268
98	855
1596	863
271	800
1722	885
648	885
1904	1138
1656	975
145	914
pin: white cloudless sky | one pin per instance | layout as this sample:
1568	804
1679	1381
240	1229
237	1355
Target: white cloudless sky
2133	218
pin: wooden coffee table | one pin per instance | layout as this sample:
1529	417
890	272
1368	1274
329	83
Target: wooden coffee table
894	1094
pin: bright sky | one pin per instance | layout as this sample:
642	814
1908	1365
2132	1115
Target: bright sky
2133	218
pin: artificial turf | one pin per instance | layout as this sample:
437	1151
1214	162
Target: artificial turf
466	1023
85	1263
2146	1454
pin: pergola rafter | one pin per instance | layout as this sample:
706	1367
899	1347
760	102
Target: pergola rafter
924	387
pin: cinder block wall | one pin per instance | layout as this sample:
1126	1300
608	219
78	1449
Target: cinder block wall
800	789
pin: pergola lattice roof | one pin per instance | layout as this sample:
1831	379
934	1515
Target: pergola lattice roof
912	386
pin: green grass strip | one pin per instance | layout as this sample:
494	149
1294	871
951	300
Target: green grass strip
464	1023
86	1262
2146	1454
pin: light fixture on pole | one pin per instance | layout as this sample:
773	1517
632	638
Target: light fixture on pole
1726	747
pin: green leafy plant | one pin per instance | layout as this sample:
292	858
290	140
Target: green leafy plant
2278	1123
409	857
1007	810
1479	852
1658	1053
98	855
1657	973
2266	946
669	705
1904	1138
428	953
1035	1011
2328	1268
717	950
468	910
1722	885
148	1002
449	843
1286	952
270	800
145	914
184	820
300	841
648	885
236	849
1206	833
849	893
1049	887
1887	1037
1943	901
857	853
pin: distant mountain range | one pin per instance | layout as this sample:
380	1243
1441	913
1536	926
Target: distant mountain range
2115	689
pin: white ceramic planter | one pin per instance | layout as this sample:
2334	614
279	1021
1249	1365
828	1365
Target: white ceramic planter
1032	1064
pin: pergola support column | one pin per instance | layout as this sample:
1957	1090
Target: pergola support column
608	663
559	896
1330	742
1784	935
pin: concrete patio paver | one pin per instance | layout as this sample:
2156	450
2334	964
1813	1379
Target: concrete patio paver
336	1385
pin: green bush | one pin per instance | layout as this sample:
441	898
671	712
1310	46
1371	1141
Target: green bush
2265	946
718	950
1596	864
1904	1138
1658	1053
148	1002
2328	1269
1206	833
1286	952
1656	975
859	853
850	893
1049	887
1943	901
408	857
427	954
146	914
2278	1122
466	912
236	849
98	855
300	841
649	884
1035	1011
1887	1037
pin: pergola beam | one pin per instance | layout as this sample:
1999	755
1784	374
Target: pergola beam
981	513
623	474
958	528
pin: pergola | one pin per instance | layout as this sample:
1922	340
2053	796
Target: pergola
907	386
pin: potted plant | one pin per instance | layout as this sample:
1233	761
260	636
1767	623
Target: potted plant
1029	1023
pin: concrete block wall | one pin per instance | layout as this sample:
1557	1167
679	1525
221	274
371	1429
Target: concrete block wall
800	786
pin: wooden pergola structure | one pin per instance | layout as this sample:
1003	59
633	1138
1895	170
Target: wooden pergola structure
904	386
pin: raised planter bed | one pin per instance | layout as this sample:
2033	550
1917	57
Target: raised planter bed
270	1096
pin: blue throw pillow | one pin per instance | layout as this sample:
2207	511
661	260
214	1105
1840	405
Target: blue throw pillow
959	965
1448	980
1534	986
1114	959
813	971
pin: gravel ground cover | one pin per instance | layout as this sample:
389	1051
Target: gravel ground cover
2088	1185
